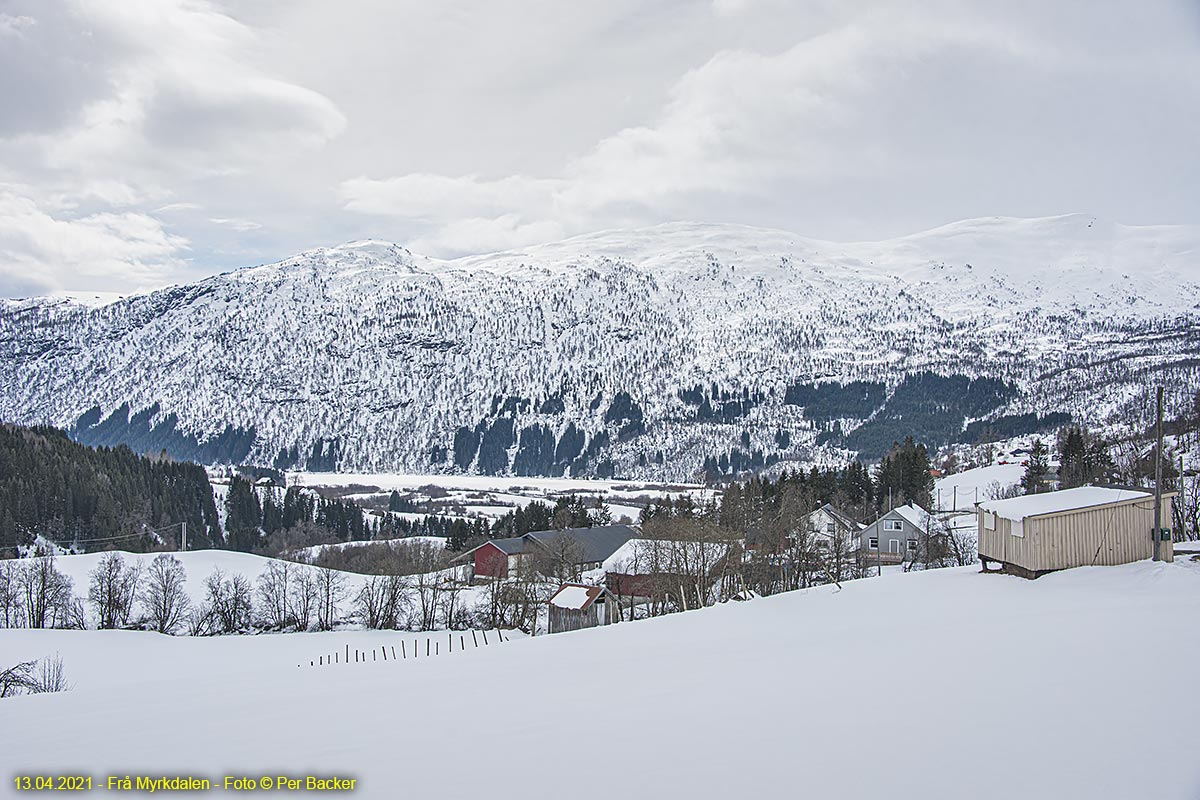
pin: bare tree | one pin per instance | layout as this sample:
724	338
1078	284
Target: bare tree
46	593
49	676
34	677
1186	508
303	596
228	602
17	679
113	590
274	596
12	605
164	593
557	557
1000	491
198	620
941	545
381	601
331	590
429	585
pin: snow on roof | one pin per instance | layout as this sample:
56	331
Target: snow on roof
639	556
913	514
1033	505
575	596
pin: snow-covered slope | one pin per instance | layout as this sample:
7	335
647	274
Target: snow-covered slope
198	564
636	353
902	686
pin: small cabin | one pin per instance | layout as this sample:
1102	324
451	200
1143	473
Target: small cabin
575	606
1091	525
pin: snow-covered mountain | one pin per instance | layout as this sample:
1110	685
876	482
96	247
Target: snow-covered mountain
648	353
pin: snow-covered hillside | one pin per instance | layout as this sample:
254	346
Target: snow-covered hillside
652	353
198	564
903	686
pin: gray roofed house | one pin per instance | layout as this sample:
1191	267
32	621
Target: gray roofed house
595	544
575	550
894	537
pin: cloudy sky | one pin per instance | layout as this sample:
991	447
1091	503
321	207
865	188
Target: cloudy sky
146	142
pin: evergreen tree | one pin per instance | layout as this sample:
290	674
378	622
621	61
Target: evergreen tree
243	515
1037	469
903	475
1083	456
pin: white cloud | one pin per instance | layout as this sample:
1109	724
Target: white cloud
13	25
181	96
732	126
102	252
903	115
112	111
442	197
255	130
241	225
481	235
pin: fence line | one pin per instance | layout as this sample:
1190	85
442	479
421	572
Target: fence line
432	648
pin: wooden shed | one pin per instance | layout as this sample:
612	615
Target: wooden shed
576	606
1091	525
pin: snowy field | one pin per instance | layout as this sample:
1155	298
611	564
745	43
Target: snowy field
492	496
199	564
960	491
943	684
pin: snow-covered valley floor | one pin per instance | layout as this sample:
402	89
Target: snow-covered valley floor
944	684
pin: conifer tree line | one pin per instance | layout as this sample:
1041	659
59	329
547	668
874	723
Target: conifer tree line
88	499
92	499
253	519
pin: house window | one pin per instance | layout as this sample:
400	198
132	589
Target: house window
912	545
829	527
873	543
989	521
893	525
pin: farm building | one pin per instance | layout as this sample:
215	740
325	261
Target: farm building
573	550
1091	525
659	568
575	606
496	558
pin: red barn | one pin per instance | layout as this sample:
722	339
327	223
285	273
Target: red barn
586	549
496	558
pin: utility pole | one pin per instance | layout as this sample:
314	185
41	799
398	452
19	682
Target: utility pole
184	537
1158	480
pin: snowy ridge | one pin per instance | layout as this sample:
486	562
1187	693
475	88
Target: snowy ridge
369	357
